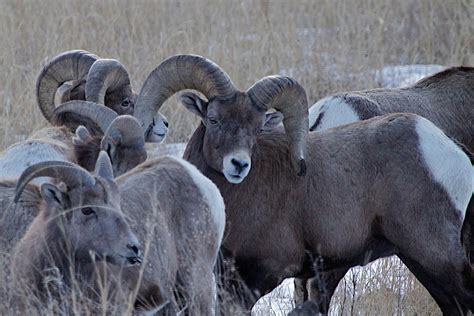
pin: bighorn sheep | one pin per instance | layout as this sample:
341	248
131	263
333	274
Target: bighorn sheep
445	98
79	223
181	214
122	138
186	217
390	185
103	81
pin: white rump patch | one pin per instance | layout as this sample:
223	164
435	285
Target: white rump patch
211	195
447	163
15	159
336	112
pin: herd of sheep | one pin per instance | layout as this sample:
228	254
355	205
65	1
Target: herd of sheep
87	206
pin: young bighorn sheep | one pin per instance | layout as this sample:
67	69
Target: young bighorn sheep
122	139
391	185
182	215
103	81
445	98
80	223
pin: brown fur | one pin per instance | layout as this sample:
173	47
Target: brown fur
122	101
172	214
350	209
60	232
61	237
85	153
16	218
123	158
445	98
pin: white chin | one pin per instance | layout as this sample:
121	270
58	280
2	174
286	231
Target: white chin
156	138
233	179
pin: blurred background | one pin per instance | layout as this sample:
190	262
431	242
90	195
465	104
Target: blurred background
328	46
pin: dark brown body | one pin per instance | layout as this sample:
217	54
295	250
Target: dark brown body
366	195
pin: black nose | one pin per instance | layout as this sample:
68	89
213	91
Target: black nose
239	164
134	248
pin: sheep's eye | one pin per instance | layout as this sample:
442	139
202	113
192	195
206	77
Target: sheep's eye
87	211
126	103
213	121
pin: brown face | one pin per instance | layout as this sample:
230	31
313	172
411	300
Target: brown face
92	222
232	127
125	158
122	101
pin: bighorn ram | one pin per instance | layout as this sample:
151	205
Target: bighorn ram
103	81
122	138
390	185
445	98
80	223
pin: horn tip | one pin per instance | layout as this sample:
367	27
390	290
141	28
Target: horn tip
302	167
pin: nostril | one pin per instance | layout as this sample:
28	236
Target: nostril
166	123
239	165
133	247
235	162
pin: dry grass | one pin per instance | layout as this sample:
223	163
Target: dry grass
326	45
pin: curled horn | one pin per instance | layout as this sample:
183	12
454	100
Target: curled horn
175	74
70	65
106	75
127	130
287	96
64	171
99	114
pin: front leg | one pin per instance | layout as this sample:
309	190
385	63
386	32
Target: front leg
319	293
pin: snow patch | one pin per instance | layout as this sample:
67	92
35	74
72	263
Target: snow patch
404	75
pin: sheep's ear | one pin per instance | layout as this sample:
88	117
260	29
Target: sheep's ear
109	144
74	91
63	92
103	166
52	195
194	104
83	136
271	120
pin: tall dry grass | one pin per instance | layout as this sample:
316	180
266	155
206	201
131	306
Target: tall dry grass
326	45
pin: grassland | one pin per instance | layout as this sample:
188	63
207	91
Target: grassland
326	45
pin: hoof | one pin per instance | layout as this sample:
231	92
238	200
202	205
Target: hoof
306	309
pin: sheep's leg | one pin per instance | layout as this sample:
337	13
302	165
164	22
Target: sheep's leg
446	303
197	289
439	259
206	295
234	296
300	295
320	291
467	232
